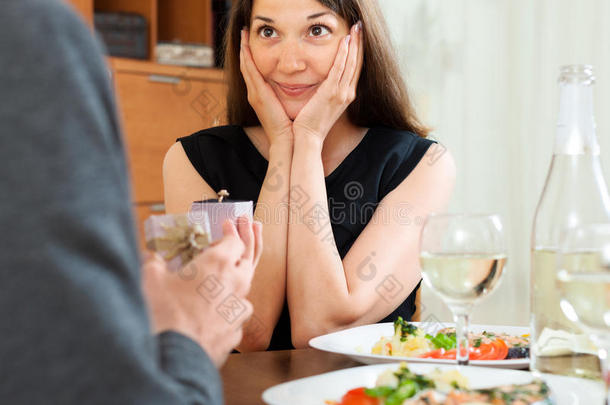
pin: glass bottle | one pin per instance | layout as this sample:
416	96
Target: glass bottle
575	193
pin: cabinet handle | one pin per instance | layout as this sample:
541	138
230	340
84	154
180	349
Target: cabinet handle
164	79
157	208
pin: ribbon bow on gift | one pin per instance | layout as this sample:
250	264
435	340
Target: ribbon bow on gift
182	239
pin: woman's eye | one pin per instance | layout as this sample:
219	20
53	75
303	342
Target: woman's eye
267	32
319	30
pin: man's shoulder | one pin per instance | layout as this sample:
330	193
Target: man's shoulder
37	12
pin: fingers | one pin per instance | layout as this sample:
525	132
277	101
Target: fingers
345	71
242	278
257	227
229	229
252	76
231	242
246	233
243	60
336	71
154	265
222	253
358	56
261	95
351	61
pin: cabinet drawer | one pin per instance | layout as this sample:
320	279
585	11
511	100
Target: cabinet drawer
156	109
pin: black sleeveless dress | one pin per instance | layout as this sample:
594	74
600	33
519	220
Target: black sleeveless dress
226	158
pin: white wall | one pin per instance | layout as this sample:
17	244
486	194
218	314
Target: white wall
484	74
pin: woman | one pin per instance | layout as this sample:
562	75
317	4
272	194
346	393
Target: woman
322	125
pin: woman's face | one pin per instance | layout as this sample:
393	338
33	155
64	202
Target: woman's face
294	44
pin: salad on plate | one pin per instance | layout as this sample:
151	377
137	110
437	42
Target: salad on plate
450	387
411	341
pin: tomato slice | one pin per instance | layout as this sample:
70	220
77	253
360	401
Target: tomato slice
433	354
429	355
495	350
502	348
488	351
439	354
357	396
449	354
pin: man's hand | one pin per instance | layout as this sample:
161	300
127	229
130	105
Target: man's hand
205	300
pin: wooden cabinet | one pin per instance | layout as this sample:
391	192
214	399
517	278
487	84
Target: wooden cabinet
188	21
159	103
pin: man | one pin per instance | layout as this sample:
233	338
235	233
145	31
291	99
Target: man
75	323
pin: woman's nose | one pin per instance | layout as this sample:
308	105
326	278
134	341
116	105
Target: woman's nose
291	58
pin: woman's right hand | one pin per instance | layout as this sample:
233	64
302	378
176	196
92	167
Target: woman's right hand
261	96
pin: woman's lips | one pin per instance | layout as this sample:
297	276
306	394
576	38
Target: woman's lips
294	90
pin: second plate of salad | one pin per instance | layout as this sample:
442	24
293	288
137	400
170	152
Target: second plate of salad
491	345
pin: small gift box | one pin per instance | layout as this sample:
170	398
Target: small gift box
176	238
218	211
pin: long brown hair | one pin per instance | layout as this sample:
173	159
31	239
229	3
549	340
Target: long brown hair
381	95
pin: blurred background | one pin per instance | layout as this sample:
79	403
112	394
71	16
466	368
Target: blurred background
483	74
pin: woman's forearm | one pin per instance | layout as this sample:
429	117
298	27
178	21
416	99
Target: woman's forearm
267	294
316	282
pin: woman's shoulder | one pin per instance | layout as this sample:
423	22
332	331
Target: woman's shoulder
398	137
227	133
215	142
404	144
403	151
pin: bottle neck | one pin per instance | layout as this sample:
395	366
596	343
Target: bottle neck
576	122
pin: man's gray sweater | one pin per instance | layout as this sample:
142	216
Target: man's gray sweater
74	321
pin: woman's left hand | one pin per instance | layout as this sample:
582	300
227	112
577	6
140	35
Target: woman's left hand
336	92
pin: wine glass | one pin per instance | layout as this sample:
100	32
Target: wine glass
462	258
583	281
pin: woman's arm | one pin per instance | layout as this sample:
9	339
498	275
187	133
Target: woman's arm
268	290
183	185
326	293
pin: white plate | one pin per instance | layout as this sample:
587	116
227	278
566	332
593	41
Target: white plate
332	386
357	343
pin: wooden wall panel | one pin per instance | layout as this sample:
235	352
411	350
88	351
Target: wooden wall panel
189	21
157	109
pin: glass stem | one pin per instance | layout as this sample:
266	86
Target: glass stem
461	334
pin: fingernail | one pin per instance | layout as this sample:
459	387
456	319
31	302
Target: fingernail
347	38
358	26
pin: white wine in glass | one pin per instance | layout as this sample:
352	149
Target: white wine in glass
462	258
461	279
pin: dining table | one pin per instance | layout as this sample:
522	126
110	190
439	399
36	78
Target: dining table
247	375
